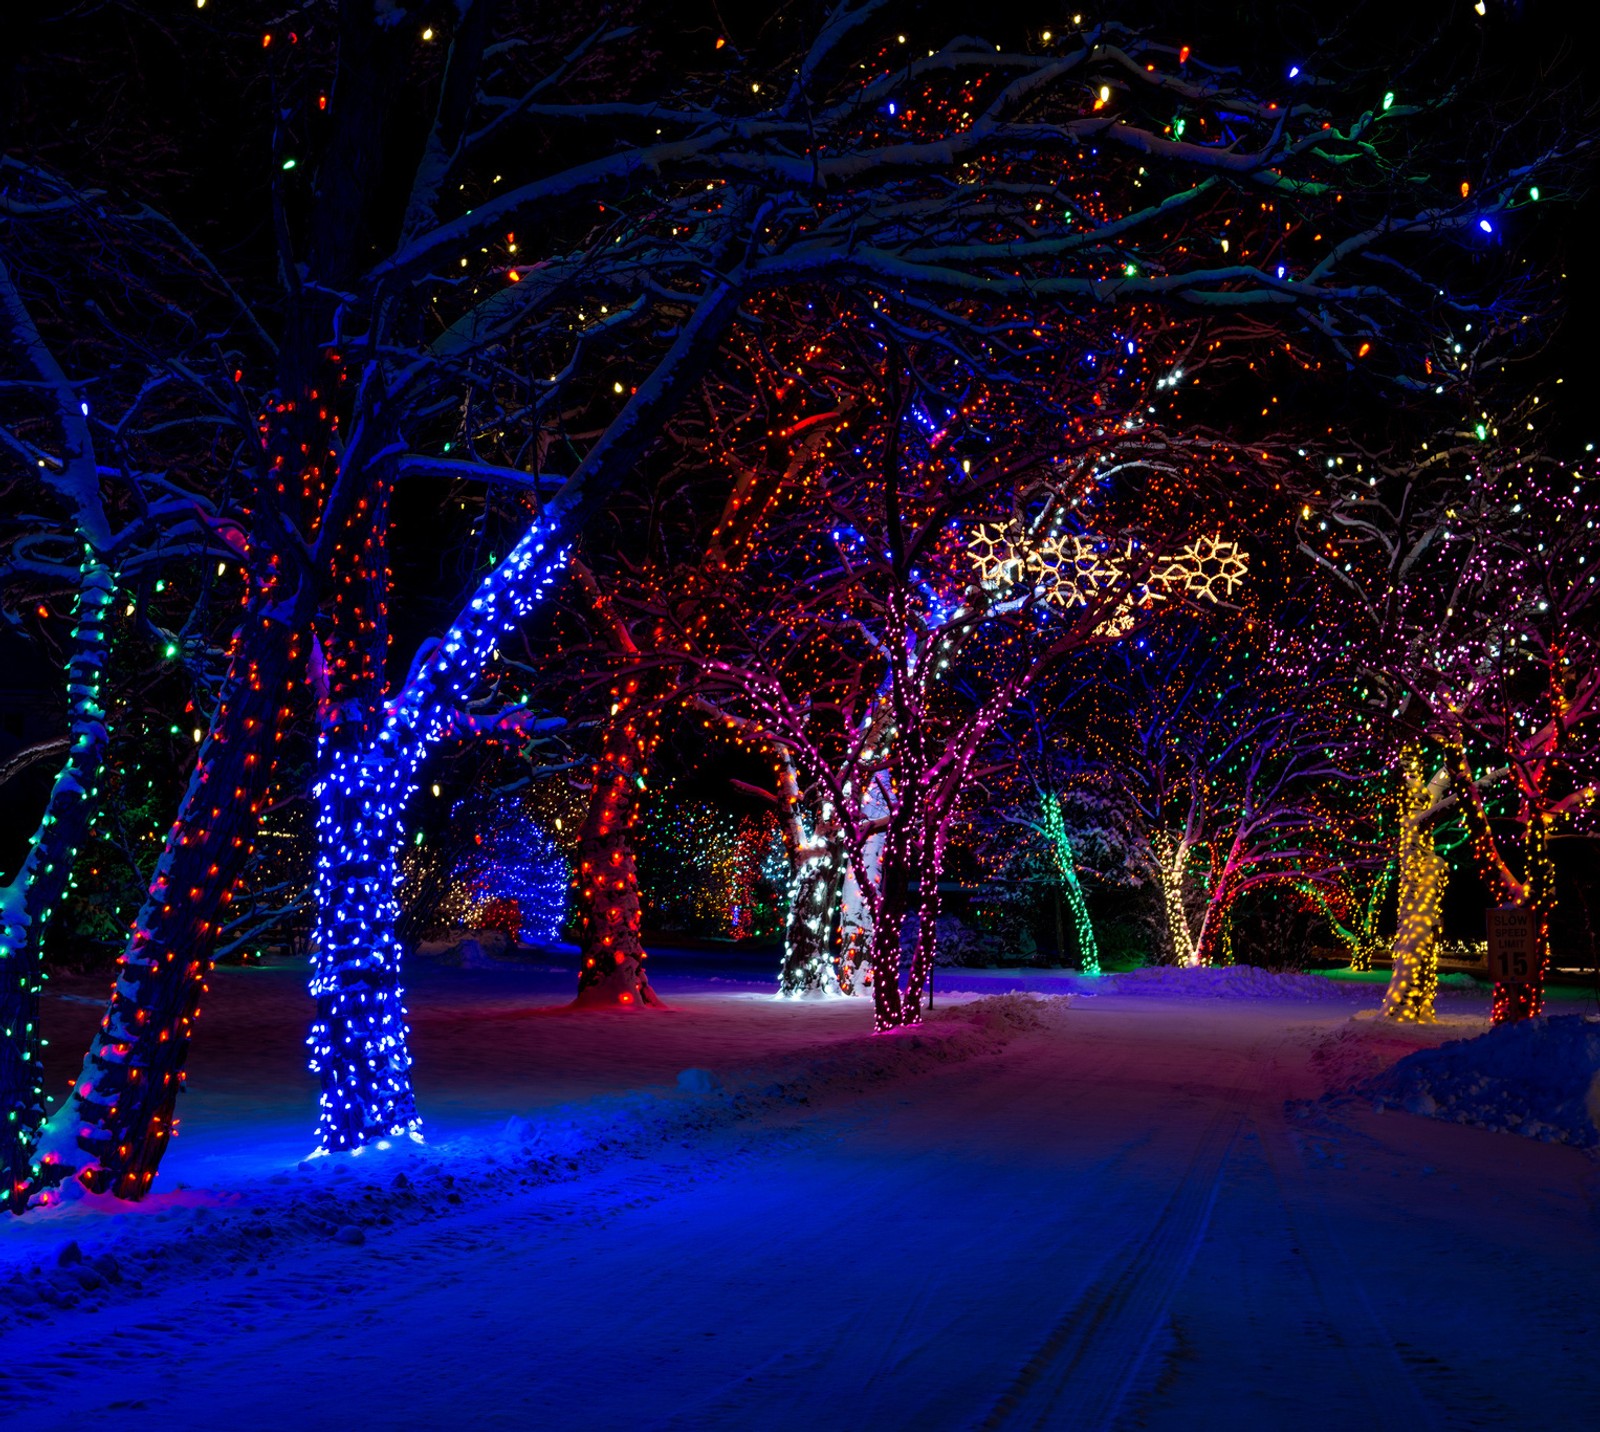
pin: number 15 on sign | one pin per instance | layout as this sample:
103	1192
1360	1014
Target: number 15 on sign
1512	957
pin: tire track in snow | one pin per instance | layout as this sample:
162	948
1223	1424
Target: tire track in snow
885	1333
969	1103
1094	1355
1377	1371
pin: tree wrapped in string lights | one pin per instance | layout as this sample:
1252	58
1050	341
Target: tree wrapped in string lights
919	633
1473	569
1230	740
511	875
66	463
1063	802
707	869
1423	875
641	689
582	207
1066	864
101	563
1354	912
816	885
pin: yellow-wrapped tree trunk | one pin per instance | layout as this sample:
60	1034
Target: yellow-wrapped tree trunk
1423	875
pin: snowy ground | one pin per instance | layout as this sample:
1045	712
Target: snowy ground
1076	1212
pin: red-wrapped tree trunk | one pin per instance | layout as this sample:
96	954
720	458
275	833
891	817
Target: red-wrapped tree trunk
606	882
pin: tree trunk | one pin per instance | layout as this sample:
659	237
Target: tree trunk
929	904
1215	945
1364	953
1082	925
368	755
854	969
1368	943
808	967
606	882
1067	869
856	920
114	1126
26	903
1170	862
1421	898
360	1044
889	1010
889	909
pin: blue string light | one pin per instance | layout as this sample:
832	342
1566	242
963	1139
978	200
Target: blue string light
519	863
360	1040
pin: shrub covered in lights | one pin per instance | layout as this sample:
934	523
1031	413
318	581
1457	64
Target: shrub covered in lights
494	866
511	876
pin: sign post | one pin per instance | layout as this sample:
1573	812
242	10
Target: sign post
1512	959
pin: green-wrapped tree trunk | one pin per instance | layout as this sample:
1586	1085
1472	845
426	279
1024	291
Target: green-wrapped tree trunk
27	901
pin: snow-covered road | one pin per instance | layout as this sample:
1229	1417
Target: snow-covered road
1106	1220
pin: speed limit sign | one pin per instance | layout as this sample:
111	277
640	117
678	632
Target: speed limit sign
1512	957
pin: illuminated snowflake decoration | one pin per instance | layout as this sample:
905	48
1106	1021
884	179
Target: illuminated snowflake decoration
999	551
1209	569
1069	569
1066	570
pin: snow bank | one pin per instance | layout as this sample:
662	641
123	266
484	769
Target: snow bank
1539	1078
76	1253
1231	982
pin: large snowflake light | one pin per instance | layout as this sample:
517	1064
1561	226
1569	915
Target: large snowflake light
1208	569
1068	569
